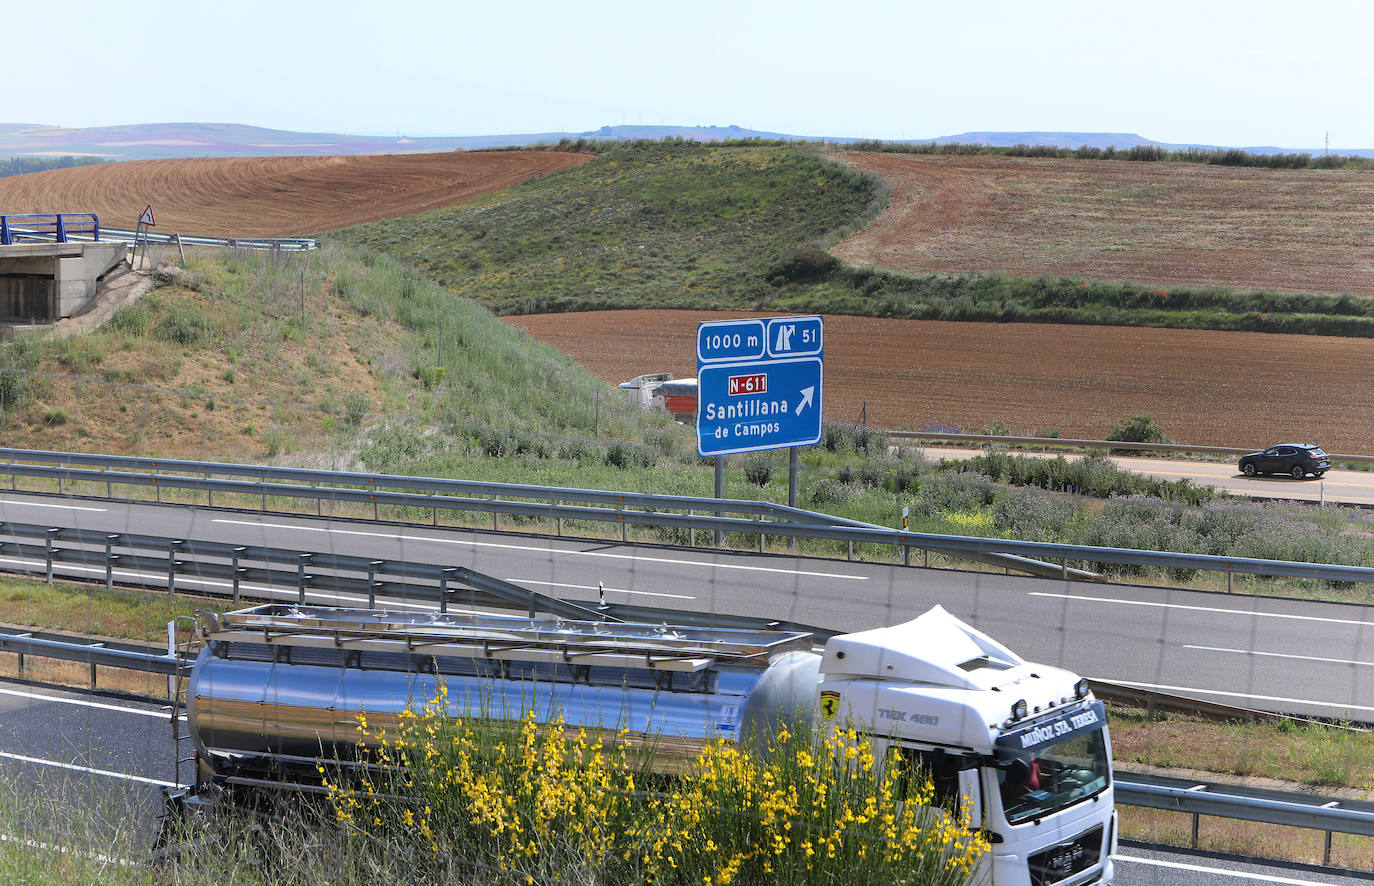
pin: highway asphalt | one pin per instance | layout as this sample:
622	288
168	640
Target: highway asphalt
112	756
1275	654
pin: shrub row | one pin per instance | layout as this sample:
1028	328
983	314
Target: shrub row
1139	153
1092	475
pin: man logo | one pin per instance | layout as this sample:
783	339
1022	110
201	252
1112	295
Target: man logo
830	704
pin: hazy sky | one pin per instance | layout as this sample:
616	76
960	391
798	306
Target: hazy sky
1265	72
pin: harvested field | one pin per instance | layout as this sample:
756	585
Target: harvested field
1210	388
1157	224
275	196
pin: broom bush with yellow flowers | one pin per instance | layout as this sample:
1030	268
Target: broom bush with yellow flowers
536	800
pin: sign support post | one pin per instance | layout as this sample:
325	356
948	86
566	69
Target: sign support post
759	386
145	221
720	490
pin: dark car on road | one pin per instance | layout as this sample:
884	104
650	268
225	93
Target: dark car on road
1297	460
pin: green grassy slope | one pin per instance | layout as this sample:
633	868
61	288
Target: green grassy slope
644	224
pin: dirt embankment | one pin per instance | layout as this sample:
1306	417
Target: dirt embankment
1156	224
275	196
1211	388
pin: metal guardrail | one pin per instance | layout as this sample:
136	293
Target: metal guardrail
1063	442
102	653
1153	701
239	572
628	509
1289	808
48	227
119	235
284	244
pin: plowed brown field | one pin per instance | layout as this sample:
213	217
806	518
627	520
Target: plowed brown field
1166	224
1210	388
274	196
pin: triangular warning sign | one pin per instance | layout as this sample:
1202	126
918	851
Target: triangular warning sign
147	217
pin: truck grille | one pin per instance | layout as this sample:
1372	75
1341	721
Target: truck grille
1066	859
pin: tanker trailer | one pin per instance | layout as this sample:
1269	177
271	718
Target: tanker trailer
276	686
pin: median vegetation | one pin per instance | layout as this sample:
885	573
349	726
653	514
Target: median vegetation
527	802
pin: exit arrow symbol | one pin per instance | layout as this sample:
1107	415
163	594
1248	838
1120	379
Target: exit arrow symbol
807	394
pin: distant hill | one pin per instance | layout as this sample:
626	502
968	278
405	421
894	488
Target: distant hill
154	141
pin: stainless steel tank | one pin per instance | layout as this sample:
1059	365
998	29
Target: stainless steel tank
280	684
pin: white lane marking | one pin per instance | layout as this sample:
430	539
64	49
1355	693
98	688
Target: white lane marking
75	768
183	580
1280	698
68	850
1221	872
1342	661
34	504
509	547
81	702
1218	609
559	584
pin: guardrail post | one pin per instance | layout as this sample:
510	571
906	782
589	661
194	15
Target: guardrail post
558	503
925	556
61	481
210	493
301	578
691	533
760	541
443	588
906	554
172	548
1196	816
319	503
93	667
495	526
1228	578
620	507
1326	851
850	554
49	549
237	572
372	583
110	558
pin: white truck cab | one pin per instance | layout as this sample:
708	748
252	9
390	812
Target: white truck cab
1025	745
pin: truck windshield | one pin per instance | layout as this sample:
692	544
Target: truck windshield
1053	776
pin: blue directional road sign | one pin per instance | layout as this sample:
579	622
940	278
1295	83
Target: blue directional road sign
759	384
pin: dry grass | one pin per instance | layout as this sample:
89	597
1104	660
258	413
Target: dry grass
1244	838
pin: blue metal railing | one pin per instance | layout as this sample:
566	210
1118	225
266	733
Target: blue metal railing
48	227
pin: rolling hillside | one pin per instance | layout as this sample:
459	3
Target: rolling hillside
275	197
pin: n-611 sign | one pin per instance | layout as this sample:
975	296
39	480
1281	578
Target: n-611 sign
759	384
